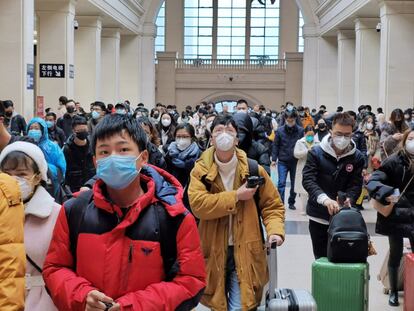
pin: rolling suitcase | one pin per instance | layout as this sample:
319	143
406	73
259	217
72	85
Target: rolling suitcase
340	286
409	283
283	299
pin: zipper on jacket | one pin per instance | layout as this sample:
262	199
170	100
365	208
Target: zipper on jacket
131	250
128	267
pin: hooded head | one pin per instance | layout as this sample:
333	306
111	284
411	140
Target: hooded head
43	128
245	129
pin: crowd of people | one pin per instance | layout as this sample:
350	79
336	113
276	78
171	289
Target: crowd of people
132	208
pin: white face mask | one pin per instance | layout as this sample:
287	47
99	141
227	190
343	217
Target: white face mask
183	143
25	187
370	126
341	142
166	122
409	146
224	142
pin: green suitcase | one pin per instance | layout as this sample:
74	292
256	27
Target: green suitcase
340	286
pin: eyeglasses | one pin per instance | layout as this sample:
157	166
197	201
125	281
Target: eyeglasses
220	130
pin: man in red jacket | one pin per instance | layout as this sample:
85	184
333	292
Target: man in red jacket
128	244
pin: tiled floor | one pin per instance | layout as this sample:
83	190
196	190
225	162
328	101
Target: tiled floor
295	259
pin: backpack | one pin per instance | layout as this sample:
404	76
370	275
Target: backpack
348	237
253	171
167	236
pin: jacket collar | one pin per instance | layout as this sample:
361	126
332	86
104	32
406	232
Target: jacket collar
327	147
41	204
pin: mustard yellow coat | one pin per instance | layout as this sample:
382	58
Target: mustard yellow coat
213	209
12	253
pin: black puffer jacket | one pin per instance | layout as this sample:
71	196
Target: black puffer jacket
394	173
361	144
324	173
284	143
253	149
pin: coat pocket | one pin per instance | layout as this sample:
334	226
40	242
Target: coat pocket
213	275
258	264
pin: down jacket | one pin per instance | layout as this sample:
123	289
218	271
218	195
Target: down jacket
325	174
213	207
120	255
12	258
394	173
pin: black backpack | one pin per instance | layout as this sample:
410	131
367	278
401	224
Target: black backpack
167	236
348	237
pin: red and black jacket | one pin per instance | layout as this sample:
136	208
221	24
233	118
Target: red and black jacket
122	256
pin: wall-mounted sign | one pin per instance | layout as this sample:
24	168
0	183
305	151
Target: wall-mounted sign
30	77
40	106
71	72
52	70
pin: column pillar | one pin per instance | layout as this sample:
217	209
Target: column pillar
289	27
110	44
166	77
88	60
346	68
367	51
396	55
16	54
327	82
293	80
148	65
310	66
130	66
174	26
55	46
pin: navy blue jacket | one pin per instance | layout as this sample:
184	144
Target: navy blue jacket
284	143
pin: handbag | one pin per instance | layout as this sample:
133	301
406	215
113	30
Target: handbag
386	210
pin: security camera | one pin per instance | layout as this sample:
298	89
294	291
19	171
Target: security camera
378	27
231	79
75	24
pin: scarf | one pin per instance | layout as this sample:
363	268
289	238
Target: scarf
180	158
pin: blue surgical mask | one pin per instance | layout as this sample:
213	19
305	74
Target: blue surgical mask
50	124
120	111
117	171
309	138
36	135
95	115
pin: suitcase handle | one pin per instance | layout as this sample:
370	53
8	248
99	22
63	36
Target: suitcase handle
272	264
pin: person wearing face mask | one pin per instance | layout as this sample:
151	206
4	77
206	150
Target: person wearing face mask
229	224
155	116
37	130
305	117
182	153
300	152
282	155
372	140
392	133
121	108
78	156
26	162
166	129
332	166
290	108
137	231
98	112
395	173
65	122
253	149
16	123
321	129
56	134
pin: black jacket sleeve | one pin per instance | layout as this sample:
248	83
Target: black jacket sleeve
355	185
275	146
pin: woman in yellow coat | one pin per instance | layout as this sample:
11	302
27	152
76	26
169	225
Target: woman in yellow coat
229	224
12	253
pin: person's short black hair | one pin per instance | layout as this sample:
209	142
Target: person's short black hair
291	114
340	109
344	119
79	120
224	120
116	124
186	126
99	104
379	110
203	111
63	100
361	107
368	107
70	101
51	114
7	103
140	105
352	114
170	107
110	107
242	101
322	107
